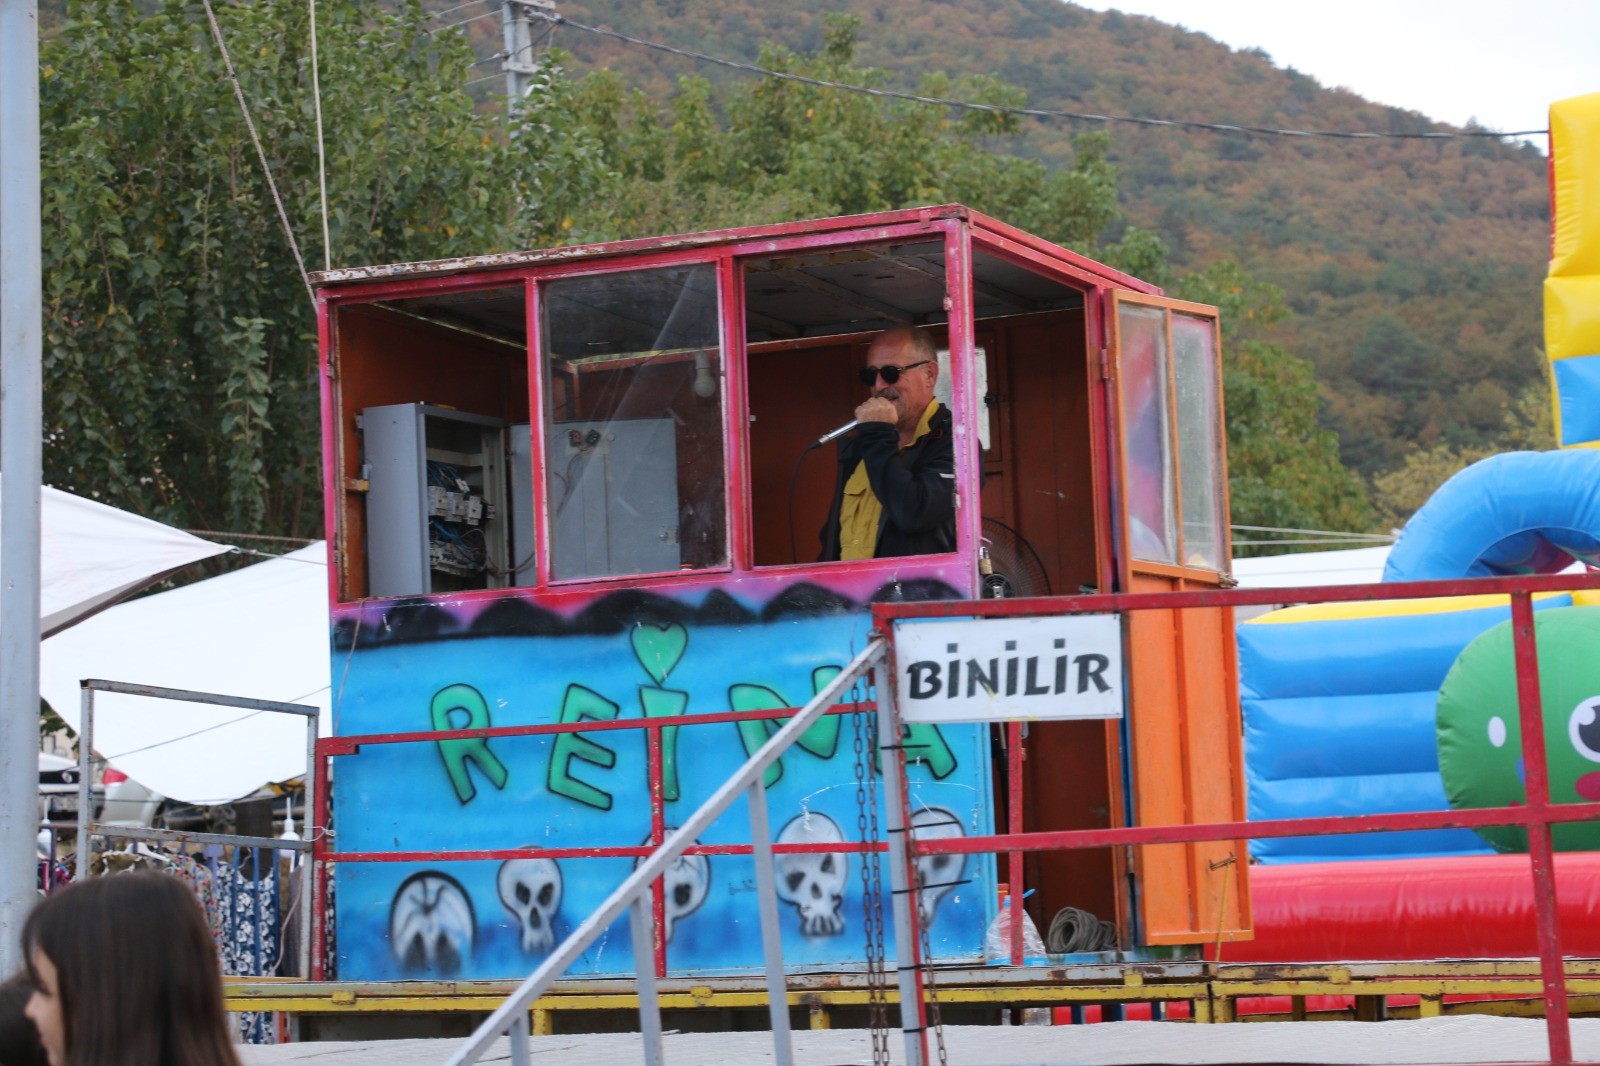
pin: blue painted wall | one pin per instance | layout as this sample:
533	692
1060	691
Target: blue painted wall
488	919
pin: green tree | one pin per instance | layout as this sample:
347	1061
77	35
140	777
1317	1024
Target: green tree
180	351
1283	467
1527	424
777	149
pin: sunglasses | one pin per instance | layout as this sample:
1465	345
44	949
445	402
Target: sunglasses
890	374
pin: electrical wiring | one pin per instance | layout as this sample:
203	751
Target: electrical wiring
1026	112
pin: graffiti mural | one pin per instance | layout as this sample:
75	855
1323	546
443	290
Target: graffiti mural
420	665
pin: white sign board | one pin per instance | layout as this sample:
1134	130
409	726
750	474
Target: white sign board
1010	669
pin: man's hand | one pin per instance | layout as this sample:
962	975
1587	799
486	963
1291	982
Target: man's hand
877	409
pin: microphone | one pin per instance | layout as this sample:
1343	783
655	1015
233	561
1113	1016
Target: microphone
835	434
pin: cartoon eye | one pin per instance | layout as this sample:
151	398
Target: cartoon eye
1584	728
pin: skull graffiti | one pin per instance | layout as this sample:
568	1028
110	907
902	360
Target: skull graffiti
431	924
685	885
531	891
814	882
939	871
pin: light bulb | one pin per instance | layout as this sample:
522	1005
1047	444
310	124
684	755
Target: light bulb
705	383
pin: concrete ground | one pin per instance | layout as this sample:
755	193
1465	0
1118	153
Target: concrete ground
1460	1039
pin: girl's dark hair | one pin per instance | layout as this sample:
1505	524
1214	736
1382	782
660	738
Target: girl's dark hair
136	971
19	1040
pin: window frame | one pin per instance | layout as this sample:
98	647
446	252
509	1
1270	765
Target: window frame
1133	563
538	416
956	235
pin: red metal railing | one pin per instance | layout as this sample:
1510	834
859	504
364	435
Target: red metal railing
329	748
1537	816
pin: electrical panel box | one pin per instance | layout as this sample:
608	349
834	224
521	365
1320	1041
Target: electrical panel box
613	497
436	500
525	567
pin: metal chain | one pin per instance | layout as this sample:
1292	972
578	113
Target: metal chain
871	889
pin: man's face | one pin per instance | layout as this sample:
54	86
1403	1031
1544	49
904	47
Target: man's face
911	393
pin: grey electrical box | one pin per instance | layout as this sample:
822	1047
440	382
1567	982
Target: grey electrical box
613	497
436	500
522	526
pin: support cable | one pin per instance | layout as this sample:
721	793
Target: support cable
255	138
322	151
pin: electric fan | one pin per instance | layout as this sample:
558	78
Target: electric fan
1009	565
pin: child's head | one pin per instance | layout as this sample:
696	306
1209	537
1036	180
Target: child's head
124	971
19	1040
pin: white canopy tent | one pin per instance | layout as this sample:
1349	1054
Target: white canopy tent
1357	566
93	555
260	632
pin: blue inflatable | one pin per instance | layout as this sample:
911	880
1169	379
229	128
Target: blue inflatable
1339	718
1515	513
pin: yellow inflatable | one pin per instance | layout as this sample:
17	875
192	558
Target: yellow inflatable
1572	289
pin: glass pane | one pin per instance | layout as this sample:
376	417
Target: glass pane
633	455
1199	446
1142	381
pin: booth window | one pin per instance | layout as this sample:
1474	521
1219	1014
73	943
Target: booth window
1167	379
633	447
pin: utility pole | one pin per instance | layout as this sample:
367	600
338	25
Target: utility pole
21	461
525	35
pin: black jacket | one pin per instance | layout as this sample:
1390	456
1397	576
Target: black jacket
916	486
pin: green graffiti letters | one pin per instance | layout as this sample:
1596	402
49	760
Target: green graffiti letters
926	745
458	753
821	740
665	703
578	704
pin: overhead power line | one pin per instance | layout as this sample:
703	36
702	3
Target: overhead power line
1027	112
458	7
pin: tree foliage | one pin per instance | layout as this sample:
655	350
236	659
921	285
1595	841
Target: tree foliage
180	347
1283	467
775	149
1433	251
1526	423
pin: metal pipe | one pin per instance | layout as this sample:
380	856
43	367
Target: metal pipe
520	1055
84	845
134	832
21	464
1530	712
913	1011
308	863
1108	602
568	951
640	921
212	699
771	932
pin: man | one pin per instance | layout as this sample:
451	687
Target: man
896	492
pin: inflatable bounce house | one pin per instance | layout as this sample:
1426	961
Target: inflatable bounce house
1362	708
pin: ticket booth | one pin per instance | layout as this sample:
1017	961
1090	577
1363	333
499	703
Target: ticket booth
582	485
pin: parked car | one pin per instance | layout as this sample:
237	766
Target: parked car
127	802
58	791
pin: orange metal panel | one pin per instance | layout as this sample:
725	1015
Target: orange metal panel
1187	750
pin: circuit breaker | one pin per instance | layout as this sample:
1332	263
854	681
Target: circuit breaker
437	519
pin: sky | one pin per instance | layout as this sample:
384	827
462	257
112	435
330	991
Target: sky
1500	63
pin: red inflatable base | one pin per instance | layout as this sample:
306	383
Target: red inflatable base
1462	906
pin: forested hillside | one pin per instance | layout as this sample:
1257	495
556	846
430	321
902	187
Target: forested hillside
1412	267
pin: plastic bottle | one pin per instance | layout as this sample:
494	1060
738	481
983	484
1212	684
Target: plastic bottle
997	940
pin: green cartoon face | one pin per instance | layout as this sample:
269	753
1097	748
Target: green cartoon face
1480	738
